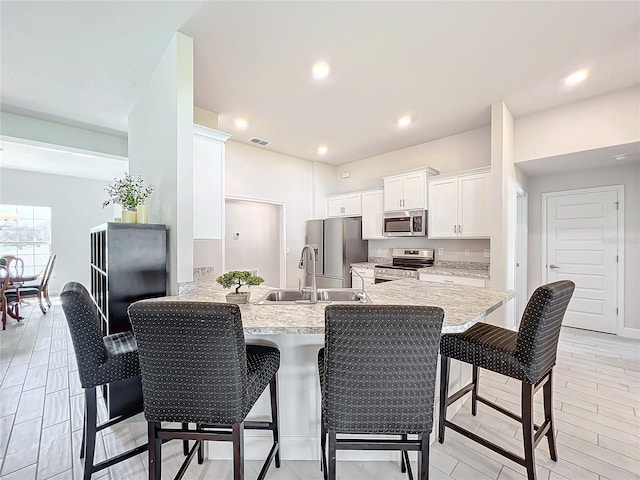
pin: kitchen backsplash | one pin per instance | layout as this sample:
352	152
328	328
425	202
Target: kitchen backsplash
472	251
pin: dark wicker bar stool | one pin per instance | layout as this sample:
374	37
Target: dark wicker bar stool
196	369
527	355
377	376
101	360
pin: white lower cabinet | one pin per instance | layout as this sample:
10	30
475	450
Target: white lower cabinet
474	282
367	275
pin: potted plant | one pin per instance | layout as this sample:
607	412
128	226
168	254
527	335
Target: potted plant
130	193
238	278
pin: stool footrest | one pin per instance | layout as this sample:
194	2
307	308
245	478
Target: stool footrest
119	458
486	443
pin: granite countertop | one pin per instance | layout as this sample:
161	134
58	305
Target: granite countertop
367	265
455	272
463	305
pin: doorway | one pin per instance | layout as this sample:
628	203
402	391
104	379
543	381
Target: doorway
253	238
583	234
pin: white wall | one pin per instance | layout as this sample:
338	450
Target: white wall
625	174
503	205
28	128
76	206
253	173
596	122
161	150
252	239
464	151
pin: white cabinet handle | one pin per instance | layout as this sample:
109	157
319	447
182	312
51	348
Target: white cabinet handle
455	229
459	228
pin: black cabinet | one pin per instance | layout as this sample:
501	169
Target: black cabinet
128	263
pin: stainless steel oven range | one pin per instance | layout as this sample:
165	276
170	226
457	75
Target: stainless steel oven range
406	263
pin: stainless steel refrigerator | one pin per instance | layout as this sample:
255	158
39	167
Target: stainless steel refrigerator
338	243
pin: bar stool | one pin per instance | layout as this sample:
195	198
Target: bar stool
527	355
196	369
101	360
377	376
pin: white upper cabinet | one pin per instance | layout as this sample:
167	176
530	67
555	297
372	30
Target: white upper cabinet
459	207
405	192
346	205
372	209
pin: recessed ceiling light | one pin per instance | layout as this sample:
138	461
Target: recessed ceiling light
322	150
404	121
321	70
621	156
241	122
576	78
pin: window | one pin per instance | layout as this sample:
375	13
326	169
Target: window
25	232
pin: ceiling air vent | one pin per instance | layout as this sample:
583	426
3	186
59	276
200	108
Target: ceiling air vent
259	141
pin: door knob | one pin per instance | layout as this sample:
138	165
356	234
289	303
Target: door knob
553	266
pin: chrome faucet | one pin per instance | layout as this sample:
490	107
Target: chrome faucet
312	259
361	295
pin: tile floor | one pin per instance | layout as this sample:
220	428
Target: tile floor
597	402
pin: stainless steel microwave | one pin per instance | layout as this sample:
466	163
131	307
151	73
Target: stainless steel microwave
411	223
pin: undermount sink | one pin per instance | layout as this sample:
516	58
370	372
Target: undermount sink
325	295
285	296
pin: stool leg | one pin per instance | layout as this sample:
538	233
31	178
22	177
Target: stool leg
527	430
273	390
185	443
444	394
403	465
90	421
423	458
323	449
200	449
474	392
332	456
547	391
84	432
155	451
238	450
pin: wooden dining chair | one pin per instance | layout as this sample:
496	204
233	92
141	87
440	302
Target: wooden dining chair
39	291
4	302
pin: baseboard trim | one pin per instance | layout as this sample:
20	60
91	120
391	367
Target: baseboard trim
629	332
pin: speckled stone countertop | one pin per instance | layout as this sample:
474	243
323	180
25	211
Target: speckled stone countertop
463	305
455	272
367	265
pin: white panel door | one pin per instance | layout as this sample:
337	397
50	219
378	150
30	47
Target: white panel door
582	244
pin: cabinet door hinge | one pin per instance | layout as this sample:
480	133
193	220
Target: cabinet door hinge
617	205
616	310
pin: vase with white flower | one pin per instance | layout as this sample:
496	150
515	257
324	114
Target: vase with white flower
130	193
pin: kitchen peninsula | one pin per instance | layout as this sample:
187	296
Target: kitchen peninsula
298	331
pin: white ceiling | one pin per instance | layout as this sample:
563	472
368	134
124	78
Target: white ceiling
444	63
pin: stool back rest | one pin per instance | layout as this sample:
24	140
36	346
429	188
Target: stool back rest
380	367
86	333
193	360
537	342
